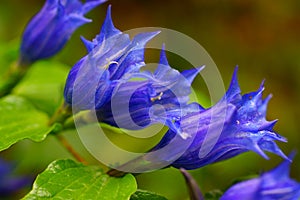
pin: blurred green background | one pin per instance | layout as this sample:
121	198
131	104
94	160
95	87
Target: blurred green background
262	37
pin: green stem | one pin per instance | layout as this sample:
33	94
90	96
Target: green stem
115	173
61	114
12	77
70	149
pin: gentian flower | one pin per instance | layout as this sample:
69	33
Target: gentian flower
9	183
160	97
112	58
234	125
273	185
51	28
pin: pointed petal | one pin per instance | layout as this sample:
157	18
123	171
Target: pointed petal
108	29
163	65
133	60
77	20
163	57
234	88
283	170
190	74
264	104
91	4
272	147
140	40
269	125
257	149
88	44
257	96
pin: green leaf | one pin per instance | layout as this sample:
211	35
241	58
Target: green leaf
146	195
66	179
43	85
20	120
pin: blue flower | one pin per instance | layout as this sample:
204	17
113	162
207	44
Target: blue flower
9	183
234	125
111	60
50	29
160	97
273	185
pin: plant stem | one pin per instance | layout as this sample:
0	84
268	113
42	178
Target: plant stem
61	114
12	77
115	173
71	150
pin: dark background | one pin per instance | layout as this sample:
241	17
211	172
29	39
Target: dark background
262	37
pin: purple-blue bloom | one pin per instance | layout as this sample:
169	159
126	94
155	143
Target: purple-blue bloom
51	28
160	97
9	183
234	125
111	60
273	185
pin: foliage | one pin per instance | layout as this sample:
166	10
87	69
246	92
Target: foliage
66	179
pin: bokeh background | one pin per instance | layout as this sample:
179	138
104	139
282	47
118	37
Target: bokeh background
262	37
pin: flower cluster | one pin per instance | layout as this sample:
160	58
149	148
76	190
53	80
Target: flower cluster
109	80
